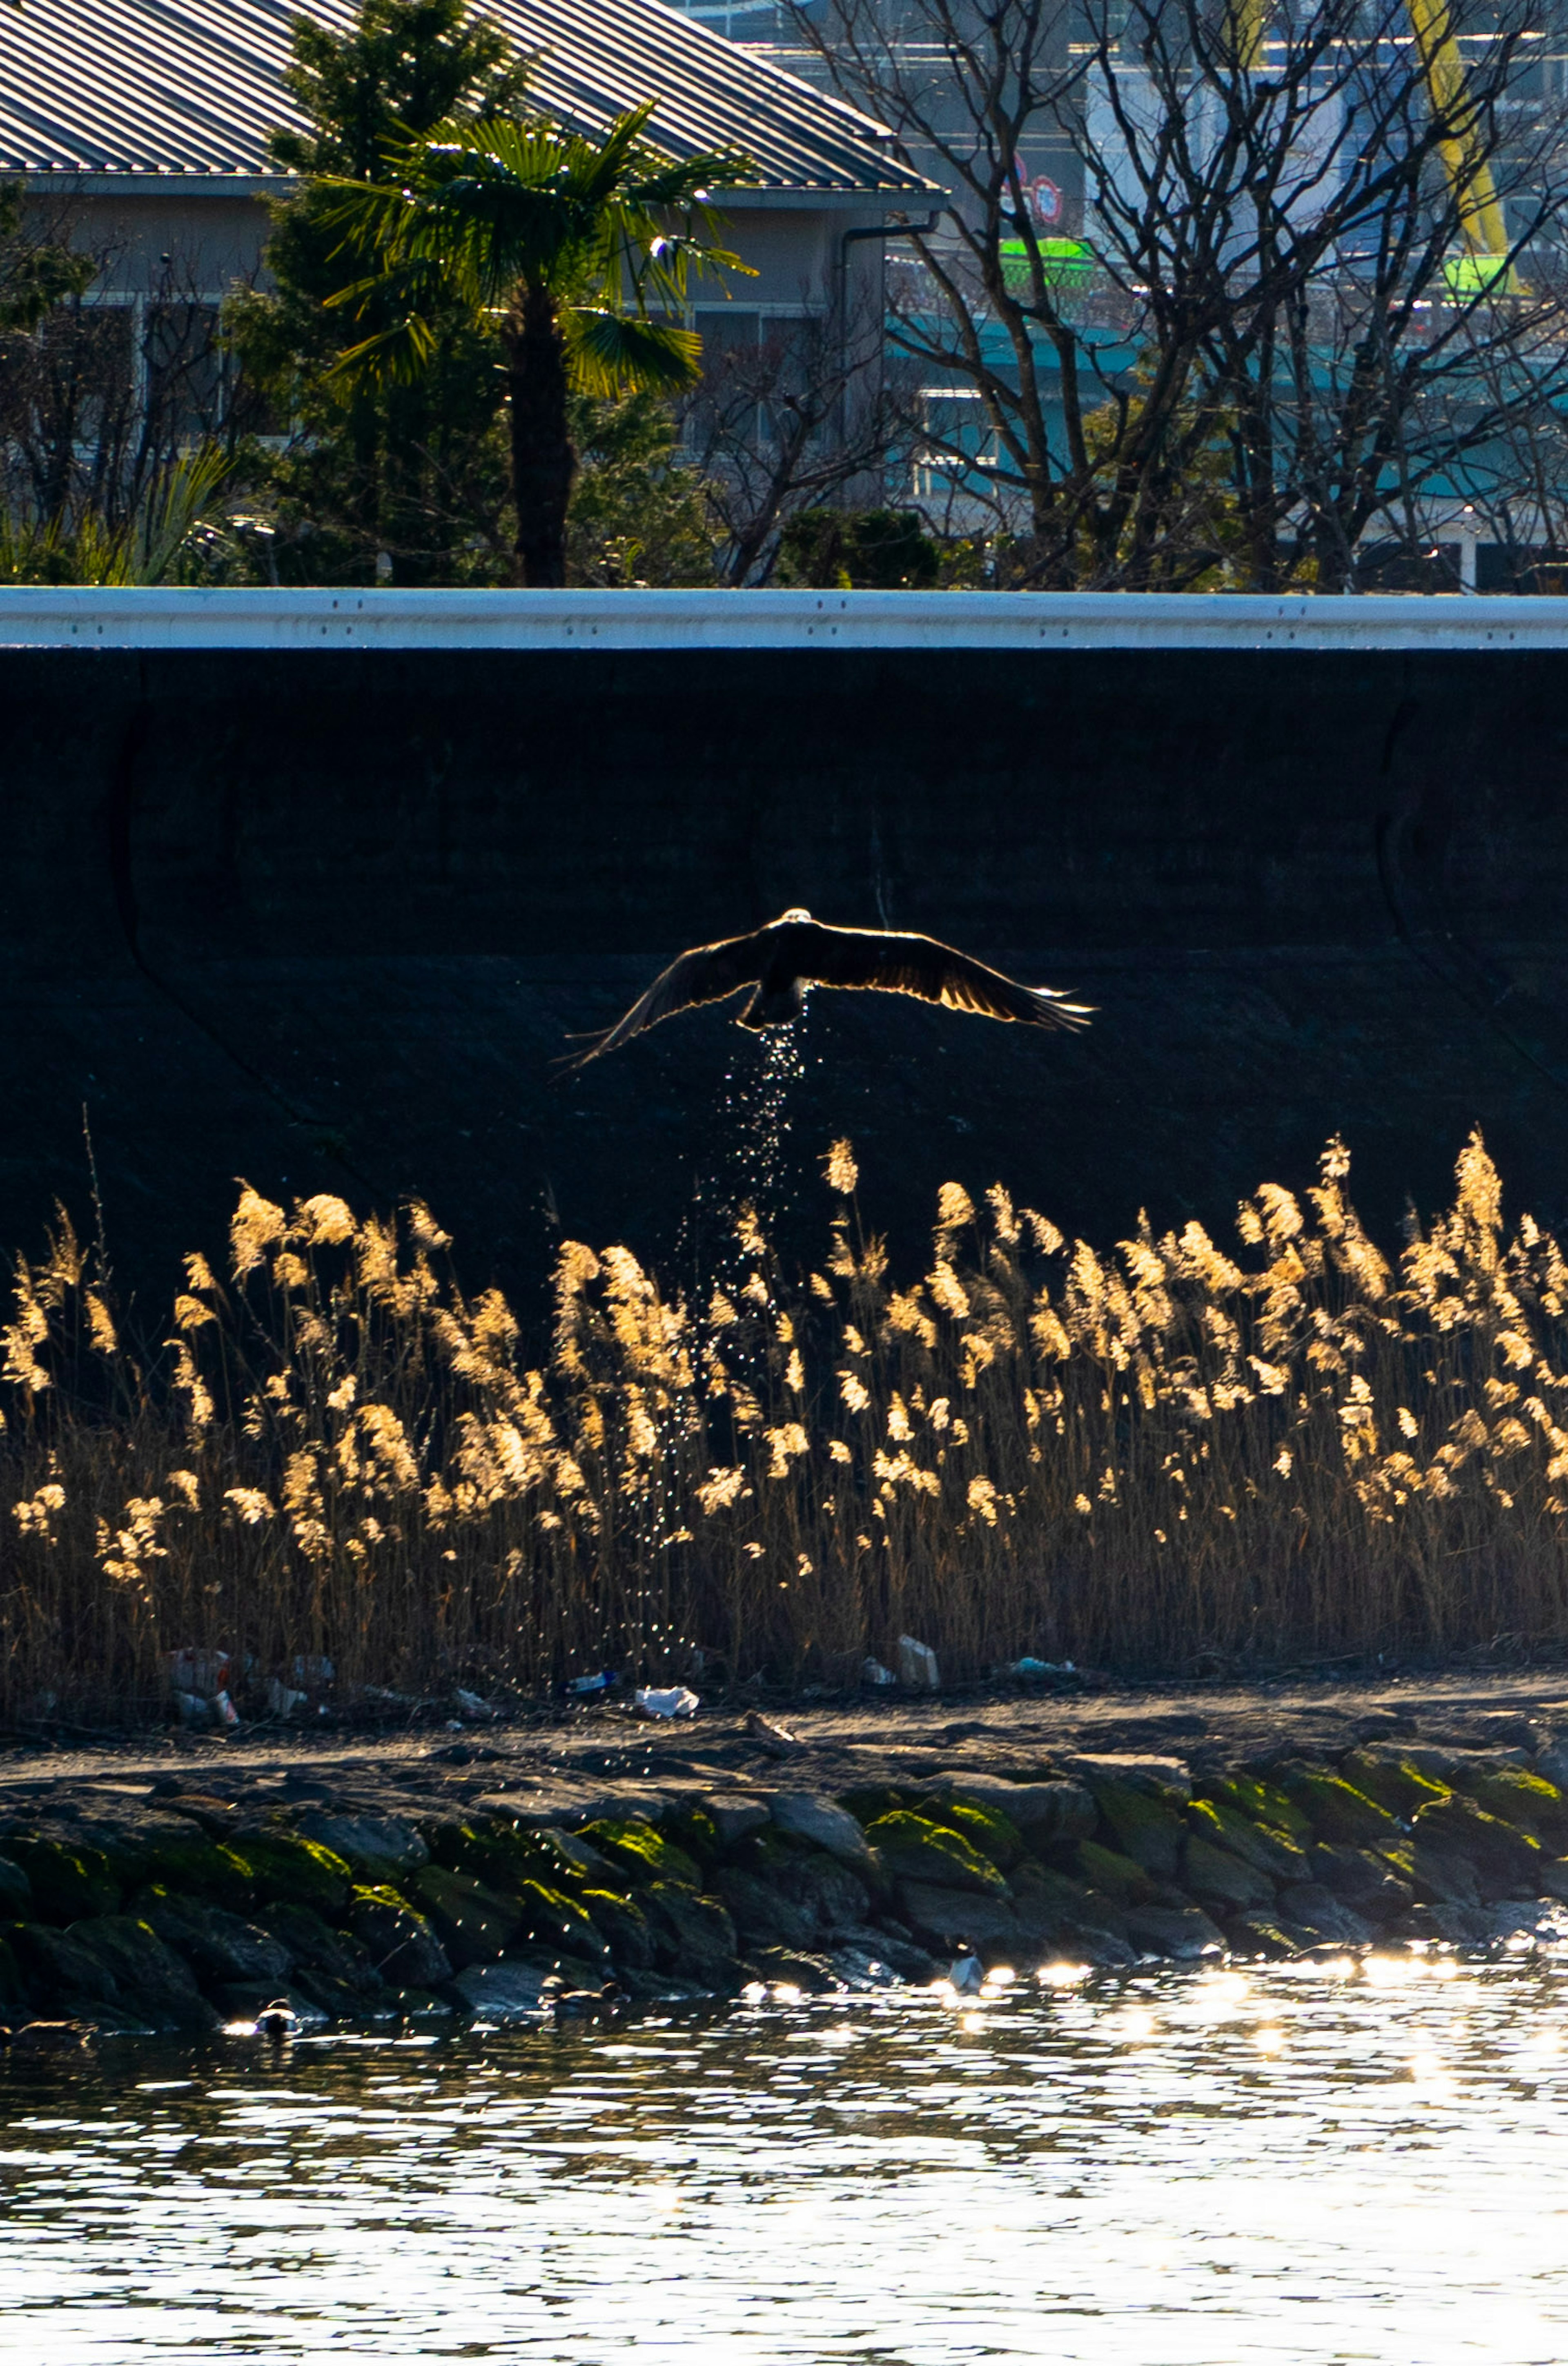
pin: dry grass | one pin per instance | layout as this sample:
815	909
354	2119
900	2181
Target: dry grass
1133	1459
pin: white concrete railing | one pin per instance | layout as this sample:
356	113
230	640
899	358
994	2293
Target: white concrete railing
44	618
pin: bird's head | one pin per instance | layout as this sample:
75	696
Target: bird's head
796	912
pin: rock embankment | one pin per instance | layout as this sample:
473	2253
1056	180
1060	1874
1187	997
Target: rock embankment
456	1880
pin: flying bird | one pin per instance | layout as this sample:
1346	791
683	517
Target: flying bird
783	961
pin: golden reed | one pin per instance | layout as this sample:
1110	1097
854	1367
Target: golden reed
1171	1456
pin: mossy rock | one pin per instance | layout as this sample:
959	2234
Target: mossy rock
58	1971
988	1830
1143	1826
1440	1876
500	1853
1337	1810
474	1924
1261	1803
378	1848
1119	1878
571	1859
1363	1880
693	1937
68	1879
623	1927
1221	1879
816	1893
218	1945
1271	1852
761	1912
149	1979
402	1945
694	1831
294	1871
315	1947
1054	1911
643	1853
1260	1935
549	1918
919	1848
197	1867
1394	1782
1506	1860
789	1968
876	1799
1526	1801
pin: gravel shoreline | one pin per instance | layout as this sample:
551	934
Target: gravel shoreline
180	1884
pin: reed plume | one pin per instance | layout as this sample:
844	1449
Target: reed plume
1168	1454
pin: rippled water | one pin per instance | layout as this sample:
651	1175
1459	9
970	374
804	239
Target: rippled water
1182	2169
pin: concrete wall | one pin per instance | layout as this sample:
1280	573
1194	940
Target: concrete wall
324	916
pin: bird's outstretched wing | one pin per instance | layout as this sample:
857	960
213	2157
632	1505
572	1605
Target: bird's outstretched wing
899	962
707	973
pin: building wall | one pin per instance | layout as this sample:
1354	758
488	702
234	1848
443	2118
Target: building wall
212	239
201	239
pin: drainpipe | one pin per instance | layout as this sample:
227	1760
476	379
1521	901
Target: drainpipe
884	231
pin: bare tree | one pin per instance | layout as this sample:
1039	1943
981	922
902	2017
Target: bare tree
791	413
1216	276
100	394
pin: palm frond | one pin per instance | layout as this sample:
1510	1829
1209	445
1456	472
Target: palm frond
394	356
619	353
173	510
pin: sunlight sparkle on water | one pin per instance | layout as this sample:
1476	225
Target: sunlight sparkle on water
1283	2167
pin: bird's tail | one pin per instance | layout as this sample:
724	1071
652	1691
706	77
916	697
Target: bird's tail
595	1040
1055	1010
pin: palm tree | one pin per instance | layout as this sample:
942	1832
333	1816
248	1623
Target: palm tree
578	250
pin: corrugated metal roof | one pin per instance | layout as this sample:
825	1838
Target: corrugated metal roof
195	86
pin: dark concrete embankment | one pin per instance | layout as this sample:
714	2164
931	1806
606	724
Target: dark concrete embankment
324	918
167	1890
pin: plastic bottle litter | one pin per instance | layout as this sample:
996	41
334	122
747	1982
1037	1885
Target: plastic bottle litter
873	1673
676	1701
1027	1667
584	1688
917	1665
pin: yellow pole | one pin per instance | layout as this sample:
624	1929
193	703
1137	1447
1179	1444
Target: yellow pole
1470	173
1481	221
1248	18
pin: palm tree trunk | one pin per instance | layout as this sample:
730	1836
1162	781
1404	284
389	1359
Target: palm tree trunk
543	462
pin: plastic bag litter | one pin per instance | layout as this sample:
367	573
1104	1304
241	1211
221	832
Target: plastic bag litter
193	1709
470	1703
1027	1667
873	1673
282	1699
313	1668
676	1701
202	1673
224	1711
917	1665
